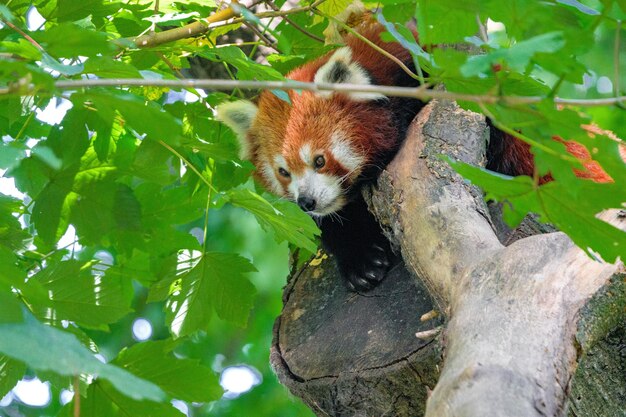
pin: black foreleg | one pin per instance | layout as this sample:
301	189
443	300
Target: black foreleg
361	251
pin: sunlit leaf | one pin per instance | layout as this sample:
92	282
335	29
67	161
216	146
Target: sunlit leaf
184	379
217	283
517	56
45	348
285	219
11	371
76	292
105	400
555	204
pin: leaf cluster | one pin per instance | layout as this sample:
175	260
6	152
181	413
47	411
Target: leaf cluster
124	207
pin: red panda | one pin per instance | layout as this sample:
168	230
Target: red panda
320	148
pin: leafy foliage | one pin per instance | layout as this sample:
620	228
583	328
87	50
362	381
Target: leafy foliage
134	202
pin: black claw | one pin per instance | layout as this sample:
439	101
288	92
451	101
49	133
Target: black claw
372	276
378	247
363	284
377	262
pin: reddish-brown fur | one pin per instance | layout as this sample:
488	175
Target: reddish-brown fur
282	129
518	154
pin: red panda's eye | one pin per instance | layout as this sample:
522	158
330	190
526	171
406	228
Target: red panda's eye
284	173
319	162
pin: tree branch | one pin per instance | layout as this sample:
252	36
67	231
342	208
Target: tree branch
512	311
421	93
201	27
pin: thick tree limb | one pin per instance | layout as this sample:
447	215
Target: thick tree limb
513	337
512	310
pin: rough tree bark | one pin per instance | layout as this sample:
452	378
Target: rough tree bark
530	328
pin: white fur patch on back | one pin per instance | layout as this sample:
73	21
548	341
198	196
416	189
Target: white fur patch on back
345	153
341	69
239	115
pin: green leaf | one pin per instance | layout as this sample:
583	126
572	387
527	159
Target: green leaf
51	63
21	48
184	379
334	7
557	203
72	10
169	18
247	69
106	67
143	116
51	209
398	10
217	283
48	349
68	40
6	15
102	399
445	22
11	372
169	207
10	273
517	56
11	311
77	293
580	7
12	236
404	37
285	219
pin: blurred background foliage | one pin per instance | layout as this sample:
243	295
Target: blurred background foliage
133	244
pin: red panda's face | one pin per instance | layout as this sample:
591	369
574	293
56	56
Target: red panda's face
309	154
313	149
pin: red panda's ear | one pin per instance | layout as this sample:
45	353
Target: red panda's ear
239	115
341	69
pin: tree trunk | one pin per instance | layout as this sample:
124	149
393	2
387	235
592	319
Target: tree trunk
535	328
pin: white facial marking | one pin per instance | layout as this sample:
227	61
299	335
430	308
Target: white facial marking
293	187
270	175
345	153
323	188
351	73
280	162
305	154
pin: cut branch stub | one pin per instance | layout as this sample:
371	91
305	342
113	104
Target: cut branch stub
348	354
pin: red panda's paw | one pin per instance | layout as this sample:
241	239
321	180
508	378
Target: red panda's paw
365	272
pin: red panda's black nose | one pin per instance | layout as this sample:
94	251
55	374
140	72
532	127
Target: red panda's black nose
306	203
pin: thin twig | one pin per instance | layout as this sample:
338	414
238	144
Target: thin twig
200	27
421	92
76	397
261	36
293	24
190	165
24	34
171	66
188	31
